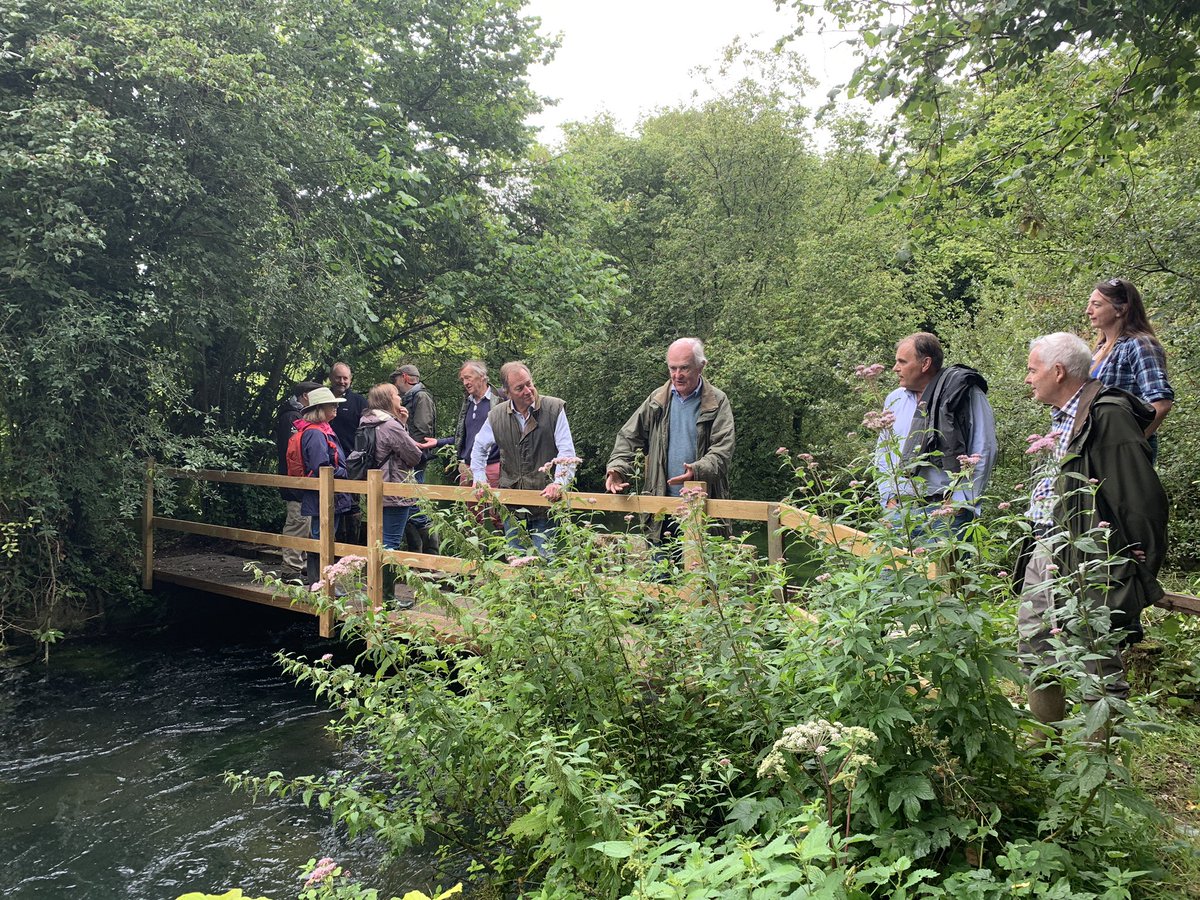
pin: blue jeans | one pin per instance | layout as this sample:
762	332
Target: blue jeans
394	520
419	519
540	532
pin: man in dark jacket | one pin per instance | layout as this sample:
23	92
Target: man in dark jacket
1097	481
294	524
684	429
345	425
941	446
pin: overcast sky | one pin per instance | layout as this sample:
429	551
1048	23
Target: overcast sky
630	57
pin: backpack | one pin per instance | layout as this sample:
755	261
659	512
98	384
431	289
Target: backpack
295	455
362	457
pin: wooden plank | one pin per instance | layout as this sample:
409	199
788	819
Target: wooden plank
266	538
148	529
374	536
1181	603
255	594
260	479
427	561
742	510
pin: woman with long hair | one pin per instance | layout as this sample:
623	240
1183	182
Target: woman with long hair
1127	354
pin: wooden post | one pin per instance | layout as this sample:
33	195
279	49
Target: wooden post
148	529
374	537
775	542
327	500
774	534
693	529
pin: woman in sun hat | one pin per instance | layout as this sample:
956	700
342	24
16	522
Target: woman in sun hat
319	447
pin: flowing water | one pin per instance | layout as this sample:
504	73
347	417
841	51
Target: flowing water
111	758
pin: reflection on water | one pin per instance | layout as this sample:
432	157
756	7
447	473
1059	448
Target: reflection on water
111	760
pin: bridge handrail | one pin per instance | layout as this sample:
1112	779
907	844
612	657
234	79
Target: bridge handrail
777	515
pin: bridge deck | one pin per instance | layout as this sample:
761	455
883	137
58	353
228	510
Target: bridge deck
226	574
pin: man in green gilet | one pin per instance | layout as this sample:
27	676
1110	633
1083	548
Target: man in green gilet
534	438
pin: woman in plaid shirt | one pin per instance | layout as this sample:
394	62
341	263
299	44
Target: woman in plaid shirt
1128	355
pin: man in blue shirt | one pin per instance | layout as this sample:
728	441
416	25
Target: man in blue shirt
941	447
685	430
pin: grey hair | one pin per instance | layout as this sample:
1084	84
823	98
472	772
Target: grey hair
478	366
1064	349
697	347
508	368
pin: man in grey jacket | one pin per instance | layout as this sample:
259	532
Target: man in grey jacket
684	429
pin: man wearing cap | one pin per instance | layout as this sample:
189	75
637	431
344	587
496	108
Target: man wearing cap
422	426
294	524
532	433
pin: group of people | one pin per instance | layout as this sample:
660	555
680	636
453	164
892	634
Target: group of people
938	448
936	452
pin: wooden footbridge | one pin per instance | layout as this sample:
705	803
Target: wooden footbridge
231	582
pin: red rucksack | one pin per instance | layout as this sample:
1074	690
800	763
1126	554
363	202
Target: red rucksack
295	456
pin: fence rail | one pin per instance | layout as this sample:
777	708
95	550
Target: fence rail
778	517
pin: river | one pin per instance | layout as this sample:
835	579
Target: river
111	758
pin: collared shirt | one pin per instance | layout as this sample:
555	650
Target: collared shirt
1137	364
675	395
931	480
1045	493
486	440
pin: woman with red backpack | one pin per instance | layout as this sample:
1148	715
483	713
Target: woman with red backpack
318	446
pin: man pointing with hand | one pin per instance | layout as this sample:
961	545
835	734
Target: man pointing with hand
685	430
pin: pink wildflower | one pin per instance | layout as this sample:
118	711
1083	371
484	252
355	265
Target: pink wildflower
782	451
879	419
1041	443
1018	487
691	493
1051	568
327	657
970	462
855	484
1093	481
517	561
871	372
1103	524
1003	504
919	551
943	511
322	871
1056	631
1003	573
629	517
561	461
823	577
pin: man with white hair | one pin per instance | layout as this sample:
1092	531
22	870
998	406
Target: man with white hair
1098	479
684	429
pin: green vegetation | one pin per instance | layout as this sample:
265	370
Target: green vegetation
205	201
612	736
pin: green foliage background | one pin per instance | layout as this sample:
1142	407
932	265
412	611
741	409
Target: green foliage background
202	203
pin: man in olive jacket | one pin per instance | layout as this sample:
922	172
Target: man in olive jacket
684	428
1100	480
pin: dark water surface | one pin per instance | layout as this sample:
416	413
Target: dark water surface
111	759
